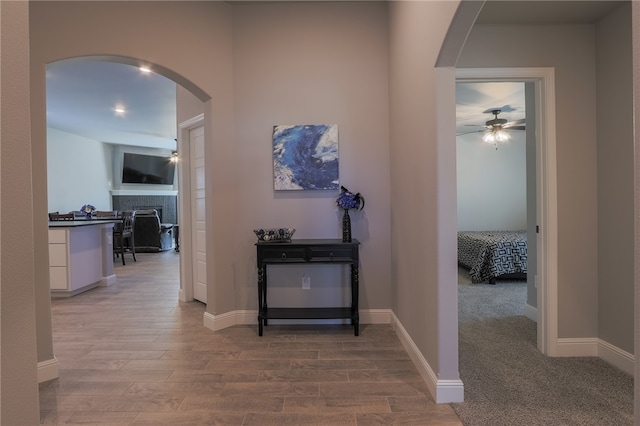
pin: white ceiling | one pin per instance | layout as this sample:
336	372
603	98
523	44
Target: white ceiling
474	100
82	95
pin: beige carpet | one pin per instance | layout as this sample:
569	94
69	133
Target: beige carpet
509	382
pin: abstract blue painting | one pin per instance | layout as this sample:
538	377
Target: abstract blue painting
305	157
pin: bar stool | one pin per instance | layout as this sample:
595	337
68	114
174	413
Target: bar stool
124	231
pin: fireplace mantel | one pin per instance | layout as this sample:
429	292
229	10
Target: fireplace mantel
143	192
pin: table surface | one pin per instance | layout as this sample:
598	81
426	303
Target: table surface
76	223
311	241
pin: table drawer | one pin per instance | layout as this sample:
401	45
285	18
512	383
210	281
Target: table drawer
283	255
331	254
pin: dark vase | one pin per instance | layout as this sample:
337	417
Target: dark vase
346	227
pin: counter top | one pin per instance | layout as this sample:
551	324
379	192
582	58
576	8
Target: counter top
76	223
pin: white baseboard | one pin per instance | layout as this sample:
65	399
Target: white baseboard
443	391
583	346
593	346
228	319
48	370
109	280
376	316
615	356
531	312
219	322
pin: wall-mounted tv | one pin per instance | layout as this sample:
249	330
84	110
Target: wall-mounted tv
151	169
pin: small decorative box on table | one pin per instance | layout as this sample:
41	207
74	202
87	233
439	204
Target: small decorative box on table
313	251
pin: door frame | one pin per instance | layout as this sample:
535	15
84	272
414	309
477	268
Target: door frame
184	205
546	190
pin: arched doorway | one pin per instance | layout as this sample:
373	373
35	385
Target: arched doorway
48	370
547	209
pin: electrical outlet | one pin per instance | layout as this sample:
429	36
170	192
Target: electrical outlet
306	283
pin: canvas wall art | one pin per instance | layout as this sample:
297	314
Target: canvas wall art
305	157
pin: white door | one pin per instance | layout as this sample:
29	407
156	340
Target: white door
198	209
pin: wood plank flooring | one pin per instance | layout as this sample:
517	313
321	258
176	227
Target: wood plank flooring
133	354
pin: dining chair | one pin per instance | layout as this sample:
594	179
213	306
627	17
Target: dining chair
55	216
106	214
123	235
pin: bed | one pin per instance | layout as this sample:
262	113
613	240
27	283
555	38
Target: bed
493	254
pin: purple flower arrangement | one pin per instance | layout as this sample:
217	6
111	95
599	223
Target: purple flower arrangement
87	209
348	200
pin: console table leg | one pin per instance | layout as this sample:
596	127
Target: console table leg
264	295
354	299
261	285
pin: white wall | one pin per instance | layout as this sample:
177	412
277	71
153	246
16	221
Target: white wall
82	170
78	172
491	183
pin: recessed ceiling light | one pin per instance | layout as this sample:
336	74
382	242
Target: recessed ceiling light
120	110
145	69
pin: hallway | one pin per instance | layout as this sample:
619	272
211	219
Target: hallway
132	354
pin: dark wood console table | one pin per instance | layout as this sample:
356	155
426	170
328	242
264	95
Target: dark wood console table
315	251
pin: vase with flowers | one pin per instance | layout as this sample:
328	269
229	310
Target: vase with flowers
88	210
348	200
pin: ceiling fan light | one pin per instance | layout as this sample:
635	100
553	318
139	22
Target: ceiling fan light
502	136
489	137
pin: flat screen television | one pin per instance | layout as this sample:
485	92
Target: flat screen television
151	169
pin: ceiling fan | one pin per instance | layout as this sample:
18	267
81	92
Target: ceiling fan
495	129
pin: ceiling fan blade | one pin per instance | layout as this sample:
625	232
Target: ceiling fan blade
504	108
480	127
469	132
513	123
517	128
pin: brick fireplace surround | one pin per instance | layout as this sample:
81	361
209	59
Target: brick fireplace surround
167	205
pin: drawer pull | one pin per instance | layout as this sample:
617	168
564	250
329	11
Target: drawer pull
331	255
284	256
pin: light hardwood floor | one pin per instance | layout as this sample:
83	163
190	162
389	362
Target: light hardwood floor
132	354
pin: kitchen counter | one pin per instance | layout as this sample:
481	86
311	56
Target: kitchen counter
80	256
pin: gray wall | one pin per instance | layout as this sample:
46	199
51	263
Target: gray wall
259	72
570	49
423	222
195	51
615	179
312	63
277	78
18	381
595	162
635	30
193	40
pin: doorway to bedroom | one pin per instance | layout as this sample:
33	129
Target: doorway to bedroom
497	199
496	194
